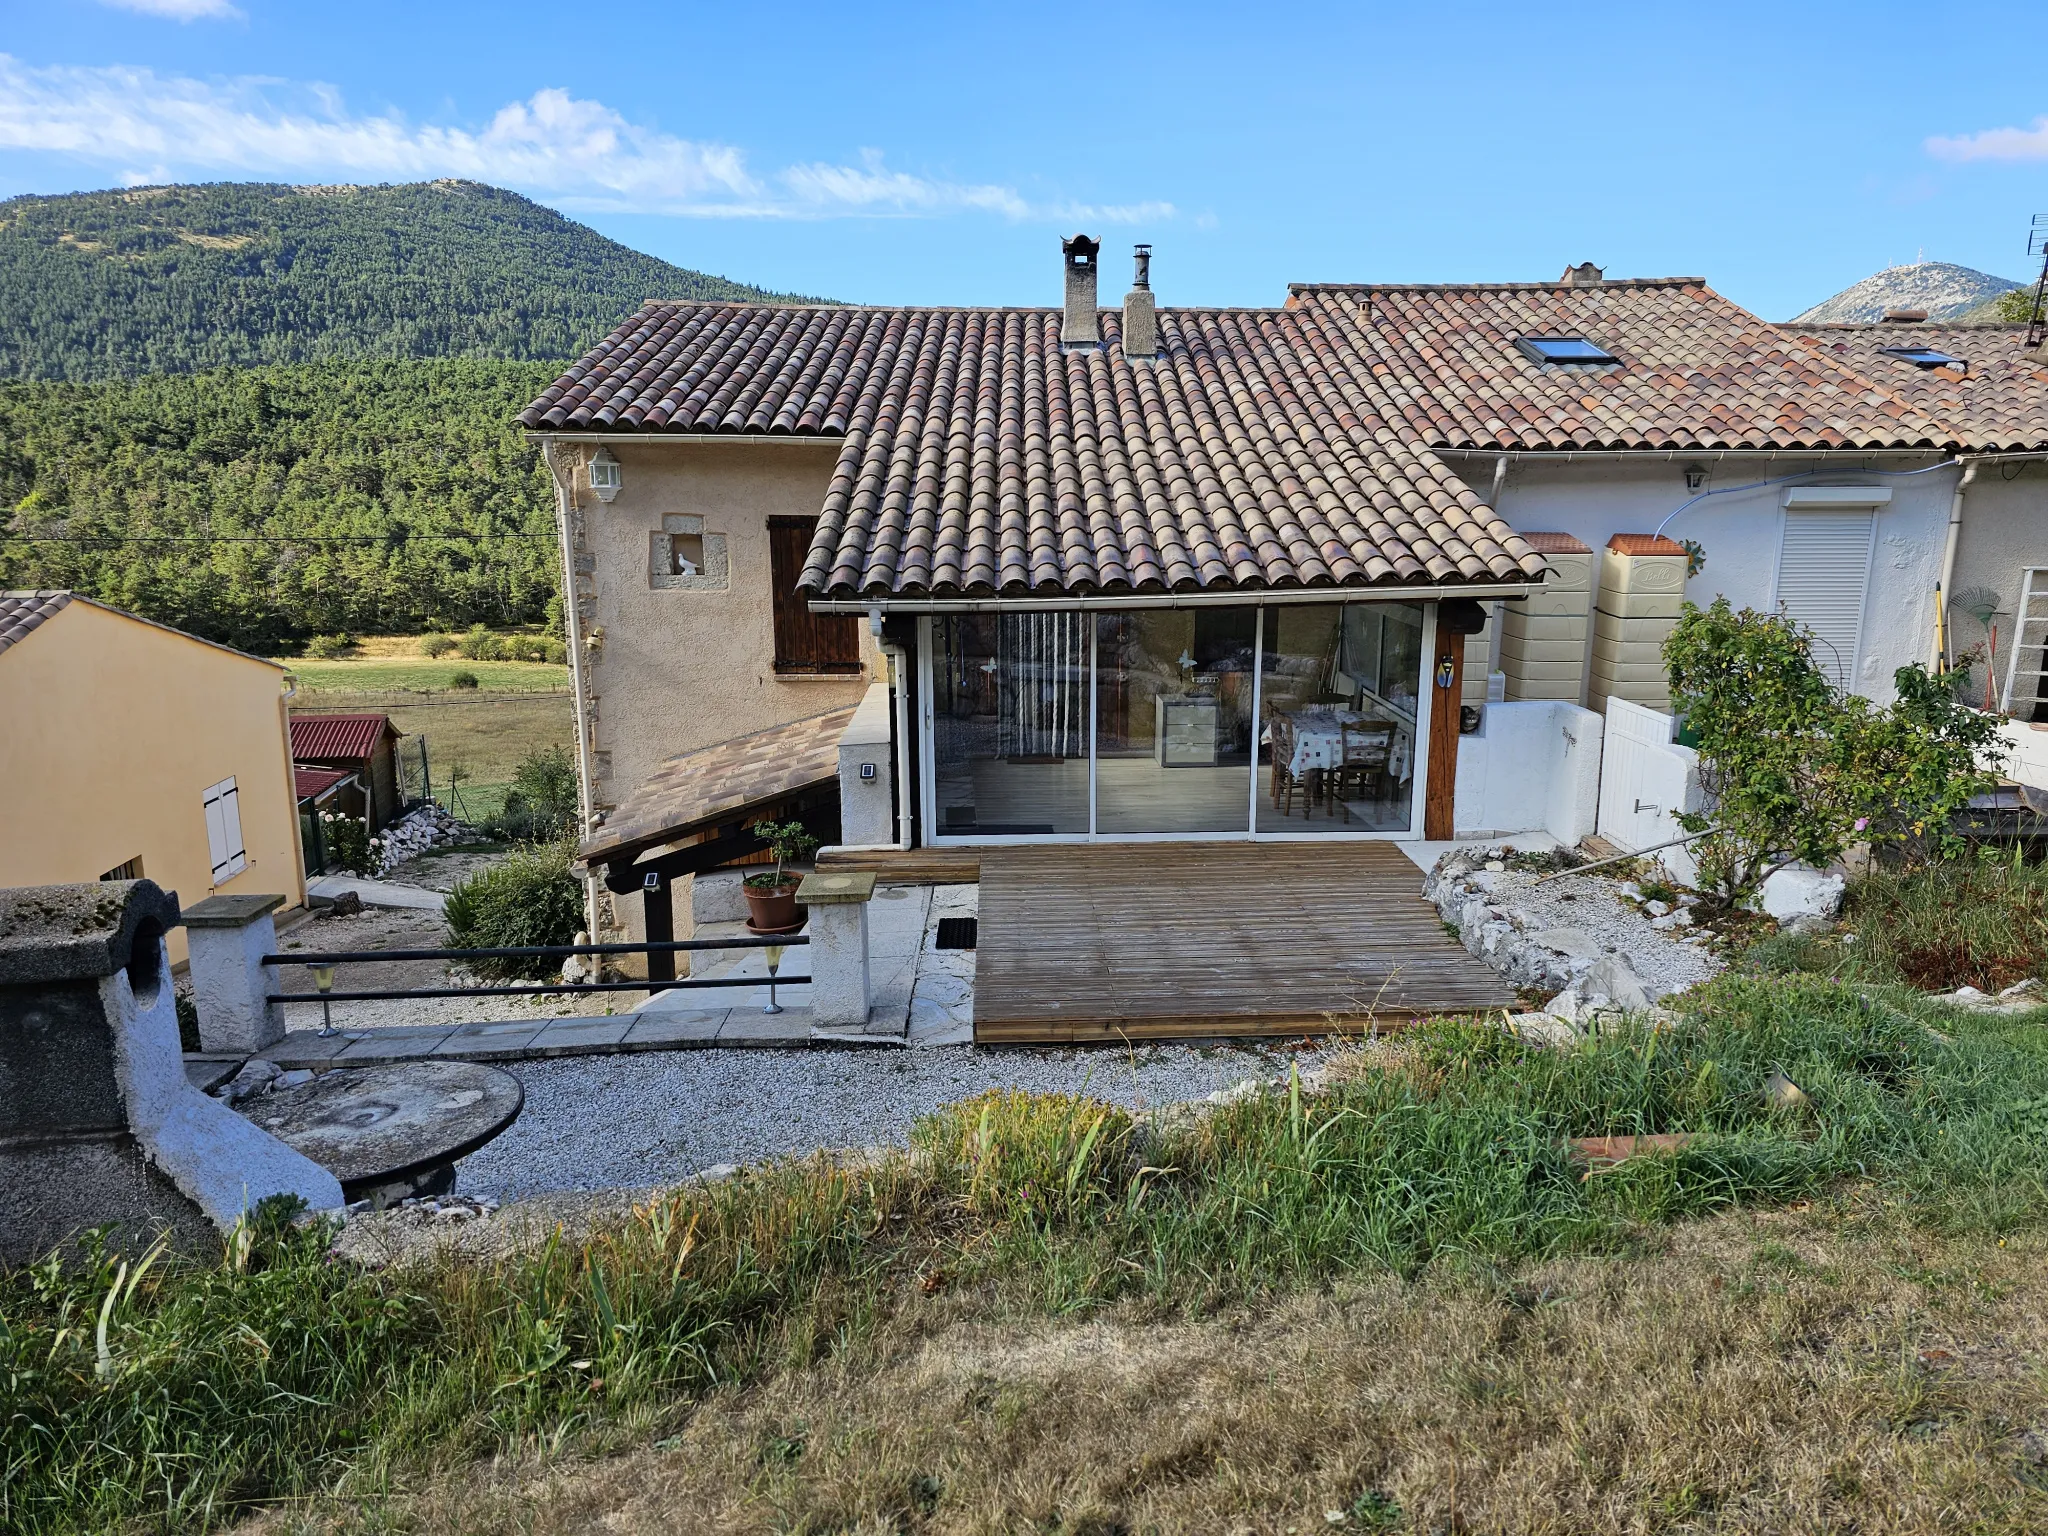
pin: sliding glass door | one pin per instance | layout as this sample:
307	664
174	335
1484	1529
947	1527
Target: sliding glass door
1281	720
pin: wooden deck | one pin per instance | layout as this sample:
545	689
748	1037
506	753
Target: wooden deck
907	866
1103	942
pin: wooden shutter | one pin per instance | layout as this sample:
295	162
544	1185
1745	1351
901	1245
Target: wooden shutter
805	641
1823	571
223	807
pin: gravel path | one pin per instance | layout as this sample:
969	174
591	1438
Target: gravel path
598	1122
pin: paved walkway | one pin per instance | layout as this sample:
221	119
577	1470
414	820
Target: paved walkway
923	996
378	893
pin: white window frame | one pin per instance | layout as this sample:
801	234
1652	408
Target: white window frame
221	807
927	756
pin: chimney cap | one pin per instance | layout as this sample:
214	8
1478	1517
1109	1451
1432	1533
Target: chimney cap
1904	316
1142	253
1081	250
1584	275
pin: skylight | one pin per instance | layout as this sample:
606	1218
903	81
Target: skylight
1562	349
1923	357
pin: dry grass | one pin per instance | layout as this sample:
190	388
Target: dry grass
1795	1372
486	734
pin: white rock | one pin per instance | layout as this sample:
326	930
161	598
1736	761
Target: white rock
1800	891
1672	920
293	1078
2021	988
1615	980
1656	908
1496	865
1575	942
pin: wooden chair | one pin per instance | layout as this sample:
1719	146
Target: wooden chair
1362	768
1280	731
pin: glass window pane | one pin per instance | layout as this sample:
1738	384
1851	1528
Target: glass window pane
1338	712
1174	720
1010	724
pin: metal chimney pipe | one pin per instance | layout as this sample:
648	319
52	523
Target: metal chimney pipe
1141	319
1080	330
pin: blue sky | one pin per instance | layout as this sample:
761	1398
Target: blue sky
922	153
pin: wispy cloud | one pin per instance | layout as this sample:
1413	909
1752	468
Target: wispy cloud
178	10
1995	144
147	126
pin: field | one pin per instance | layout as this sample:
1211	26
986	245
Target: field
475	737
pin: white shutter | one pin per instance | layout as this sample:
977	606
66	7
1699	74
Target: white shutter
1823	573
223	807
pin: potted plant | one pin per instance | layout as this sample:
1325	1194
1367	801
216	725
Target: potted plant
771	898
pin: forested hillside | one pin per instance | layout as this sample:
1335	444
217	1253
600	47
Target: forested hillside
261	506
99	285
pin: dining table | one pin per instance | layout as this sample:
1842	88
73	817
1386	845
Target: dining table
1318	733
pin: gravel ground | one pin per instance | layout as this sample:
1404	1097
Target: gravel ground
1594	905
598	1122
442	869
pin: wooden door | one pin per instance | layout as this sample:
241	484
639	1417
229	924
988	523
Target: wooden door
805	642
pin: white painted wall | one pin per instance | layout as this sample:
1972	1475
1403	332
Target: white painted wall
1594	499
1532	766
1645	786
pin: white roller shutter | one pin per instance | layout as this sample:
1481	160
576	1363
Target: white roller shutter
1823	574
224	831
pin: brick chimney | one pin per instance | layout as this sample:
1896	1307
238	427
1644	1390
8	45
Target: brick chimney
1141	321
1584	275
1079	332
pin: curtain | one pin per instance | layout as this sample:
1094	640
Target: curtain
1042	679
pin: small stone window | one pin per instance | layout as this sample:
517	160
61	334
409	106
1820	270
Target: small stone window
682	557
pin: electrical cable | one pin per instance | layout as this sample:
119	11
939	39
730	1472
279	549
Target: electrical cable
1757	485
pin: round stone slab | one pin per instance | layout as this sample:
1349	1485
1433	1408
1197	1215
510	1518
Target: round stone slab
374	1127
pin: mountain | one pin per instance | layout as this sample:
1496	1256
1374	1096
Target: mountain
97	285
1942	288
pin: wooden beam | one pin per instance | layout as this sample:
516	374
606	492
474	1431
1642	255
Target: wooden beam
657	907
1439	793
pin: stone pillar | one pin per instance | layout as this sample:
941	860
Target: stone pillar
1642	584
227	938
98	1124
841	994
1543	639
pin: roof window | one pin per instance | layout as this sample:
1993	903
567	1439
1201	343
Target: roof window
1924	357
1563	349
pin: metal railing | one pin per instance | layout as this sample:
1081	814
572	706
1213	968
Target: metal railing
317	963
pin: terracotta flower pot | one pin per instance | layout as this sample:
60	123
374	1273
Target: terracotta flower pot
772	908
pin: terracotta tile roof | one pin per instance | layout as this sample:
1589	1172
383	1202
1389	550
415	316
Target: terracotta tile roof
22	612
979	459
696	790
1693	370
1556	544
1999	401
343	737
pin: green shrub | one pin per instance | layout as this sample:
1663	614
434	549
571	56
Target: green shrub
481	645
533	897
463	679
790	843
557	652
436	646
349	844
542	803
326	647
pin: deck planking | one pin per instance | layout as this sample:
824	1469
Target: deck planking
1107	941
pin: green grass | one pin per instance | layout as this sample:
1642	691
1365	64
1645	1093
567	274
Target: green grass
1966	921
277	1376
416	674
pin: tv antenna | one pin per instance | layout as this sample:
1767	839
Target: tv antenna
2037	245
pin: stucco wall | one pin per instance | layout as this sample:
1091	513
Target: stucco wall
115	729
2005	529
1594	499
682	668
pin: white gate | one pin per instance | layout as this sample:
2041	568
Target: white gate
1644	779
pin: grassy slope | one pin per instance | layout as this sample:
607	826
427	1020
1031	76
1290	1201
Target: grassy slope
1867	1360
170	279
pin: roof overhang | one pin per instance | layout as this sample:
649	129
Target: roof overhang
1495	591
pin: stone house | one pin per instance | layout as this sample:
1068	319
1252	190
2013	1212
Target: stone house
1369	565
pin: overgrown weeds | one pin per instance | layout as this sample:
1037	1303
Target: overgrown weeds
278	1377
1979	921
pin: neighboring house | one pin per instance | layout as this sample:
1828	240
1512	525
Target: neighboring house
362	746
324	792
132	749
1162	574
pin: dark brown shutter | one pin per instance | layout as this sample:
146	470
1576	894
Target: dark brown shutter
805	641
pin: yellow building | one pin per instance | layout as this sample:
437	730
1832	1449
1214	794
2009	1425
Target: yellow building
129	749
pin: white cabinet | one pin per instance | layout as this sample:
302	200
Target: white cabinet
1185	731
